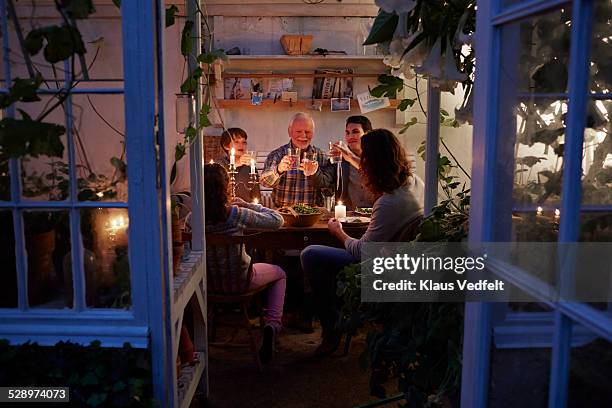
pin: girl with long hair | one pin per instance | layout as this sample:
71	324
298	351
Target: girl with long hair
232	218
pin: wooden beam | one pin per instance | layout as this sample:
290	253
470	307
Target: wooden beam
292	10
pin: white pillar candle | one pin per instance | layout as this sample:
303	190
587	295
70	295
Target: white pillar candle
340	210
233	157
252	166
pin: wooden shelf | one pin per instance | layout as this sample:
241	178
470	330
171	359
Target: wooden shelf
189	379
186	281
249	63
302	104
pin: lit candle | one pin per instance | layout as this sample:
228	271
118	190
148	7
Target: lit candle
252	166
340	210
557	214
255	201
539	212
233	157
212	161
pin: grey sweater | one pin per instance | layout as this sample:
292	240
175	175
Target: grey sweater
390	214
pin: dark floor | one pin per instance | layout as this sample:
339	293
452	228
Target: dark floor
294	379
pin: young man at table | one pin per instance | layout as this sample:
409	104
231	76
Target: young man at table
295	185
351	190
398	205
237	138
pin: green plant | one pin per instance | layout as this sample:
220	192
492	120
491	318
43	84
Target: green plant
96	376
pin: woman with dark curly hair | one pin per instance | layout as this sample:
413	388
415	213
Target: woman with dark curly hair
223	217
398	201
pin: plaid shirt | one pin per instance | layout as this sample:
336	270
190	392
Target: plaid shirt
292	186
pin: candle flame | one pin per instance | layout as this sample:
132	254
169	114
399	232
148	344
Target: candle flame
233	152
212	161
557	212
100	194
339	202
255	201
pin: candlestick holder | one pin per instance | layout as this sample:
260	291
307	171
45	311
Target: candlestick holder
232	181
253	183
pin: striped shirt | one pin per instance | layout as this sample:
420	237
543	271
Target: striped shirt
292	186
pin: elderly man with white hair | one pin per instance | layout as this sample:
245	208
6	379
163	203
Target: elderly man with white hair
291	184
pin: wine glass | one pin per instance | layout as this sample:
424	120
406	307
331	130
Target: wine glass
335	154
294	155
310	163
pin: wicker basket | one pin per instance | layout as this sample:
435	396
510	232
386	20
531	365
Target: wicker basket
296	44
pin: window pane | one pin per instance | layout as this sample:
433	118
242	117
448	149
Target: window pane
44	174
601	47
47	237
8	273
597	155
106	263
536	226
535	52
99	143
596	227
539	152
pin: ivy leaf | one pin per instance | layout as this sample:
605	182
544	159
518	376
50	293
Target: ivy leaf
20	137
383	28
210	57
190	134
62	43
405	103
390	85
23	90
204	120
79	9
443	112
170	15
186	46
34	42
408	124
179	152
191	83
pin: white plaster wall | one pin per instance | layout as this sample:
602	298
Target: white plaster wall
267	128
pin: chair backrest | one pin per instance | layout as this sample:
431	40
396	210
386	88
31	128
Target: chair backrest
410	231
225	268
266	193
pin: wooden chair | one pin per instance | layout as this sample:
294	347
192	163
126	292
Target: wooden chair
227	284
408	233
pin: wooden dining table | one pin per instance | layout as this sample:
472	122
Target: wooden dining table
300	237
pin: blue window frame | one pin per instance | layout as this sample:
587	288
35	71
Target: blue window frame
498	89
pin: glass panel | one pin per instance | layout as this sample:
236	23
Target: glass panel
539	152
589	373
47	237
596	227
44	174
101	166
597	155
535	52
601	47
107	267
8	272
536	226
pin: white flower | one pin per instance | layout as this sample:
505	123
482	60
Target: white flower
399	6
451	73
396	49
460	38
465	113
401	30
418	53
431	65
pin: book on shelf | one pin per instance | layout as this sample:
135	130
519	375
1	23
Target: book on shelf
242	88
332	86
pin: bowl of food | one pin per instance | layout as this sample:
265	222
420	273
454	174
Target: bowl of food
365	211
300	215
